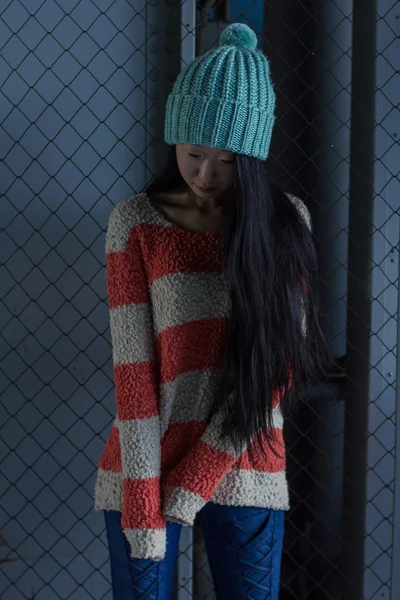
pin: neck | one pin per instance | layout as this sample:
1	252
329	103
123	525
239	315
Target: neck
210	204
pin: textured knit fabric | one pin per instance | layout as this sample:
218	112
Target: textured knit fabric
225	98
169	311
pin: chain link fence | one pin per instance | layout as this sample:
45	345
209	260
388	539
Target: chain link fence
83	90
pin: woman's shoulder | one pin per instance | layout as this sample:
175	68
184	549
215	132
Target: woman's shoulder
302	209
129	213
132	210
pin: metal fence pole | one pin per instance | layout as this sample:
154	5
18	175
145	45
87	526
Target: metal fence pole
396	516
361	197
184	570
372	308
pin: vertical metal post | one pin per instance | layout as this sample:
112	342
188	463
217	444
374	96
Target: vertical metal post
188	32
396	516
372	411
359	303
184	573
395	150
162	64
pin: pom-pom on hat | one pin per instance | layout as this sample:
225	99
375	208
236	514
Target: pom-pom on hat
225	98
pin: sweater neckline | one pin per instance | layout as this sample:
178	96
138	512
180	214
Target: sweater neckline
161	215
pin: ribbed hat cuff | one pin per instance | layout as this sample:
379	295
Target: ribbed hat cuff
218	123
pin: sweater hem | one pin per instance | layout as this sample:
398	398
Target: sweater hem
108	491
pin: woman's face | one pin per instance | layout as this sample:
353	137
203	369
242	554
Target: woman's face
209	172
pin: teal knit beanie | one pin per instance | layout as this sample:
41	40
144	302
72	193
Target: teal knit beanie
224	98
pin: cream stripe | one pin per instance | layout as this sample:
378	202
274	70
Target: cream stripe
304	327
128	213
302	209
277	418
305	214
212	435
181	506
147	543
251	488
131	330
188	398
140	448
185	297
108	490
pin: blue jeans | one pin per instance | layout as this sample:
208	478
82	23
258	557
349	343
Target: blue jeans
244	548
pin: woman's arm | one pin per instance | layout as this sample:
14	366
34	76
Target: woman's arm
193	482
136	387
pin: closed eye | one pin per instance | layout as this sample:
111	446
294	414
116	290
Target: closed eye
227	162
194	155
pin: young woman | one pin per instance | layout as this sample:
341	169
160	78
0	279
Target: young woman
213	284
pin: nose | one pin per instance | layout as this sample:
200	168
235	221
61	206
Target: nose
206	173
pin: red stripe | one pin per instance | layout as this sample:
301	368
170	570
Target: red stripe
136	390
126	281
268	463
168	250
178	441
141	504
111	458
201	472
277	397
194	346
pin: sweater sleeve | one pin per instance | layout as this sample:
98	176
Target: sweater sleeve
193	482
136	387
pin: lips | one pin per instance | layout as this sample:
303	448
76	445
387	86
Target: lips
205	190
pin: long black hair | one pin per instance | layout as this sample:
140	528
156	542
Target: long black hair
274	341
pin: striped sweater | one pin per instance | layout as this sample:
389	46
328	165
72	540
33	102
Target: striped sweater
169	309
